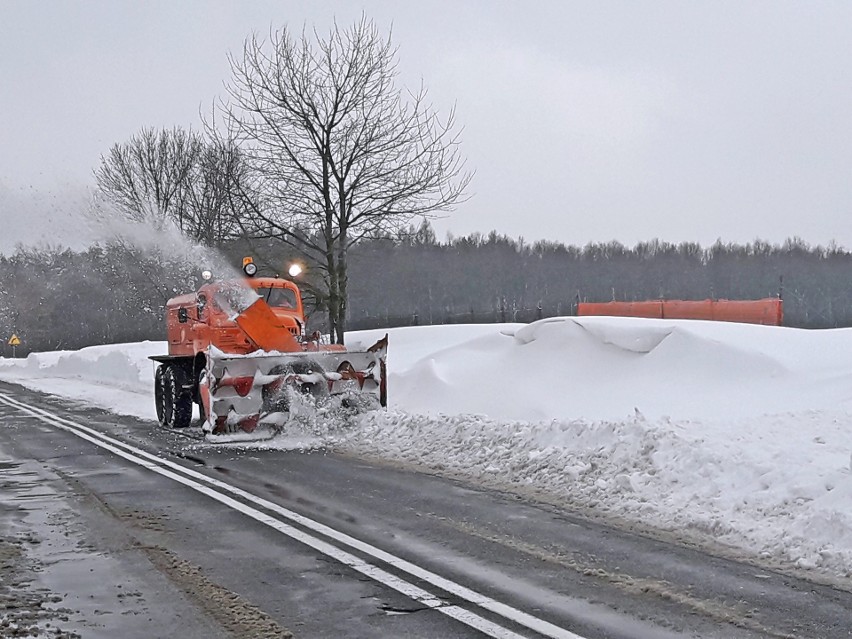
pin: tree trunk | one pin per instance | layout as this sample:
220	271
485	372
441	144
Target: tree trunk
342	284
333	296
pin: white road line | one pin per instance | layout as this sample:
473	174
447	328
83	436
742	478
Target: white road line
161	466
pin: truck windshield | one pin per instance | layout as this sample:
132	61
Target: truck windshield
278	297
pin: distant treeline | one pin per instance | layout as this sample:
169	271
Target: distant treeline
57	299
492	277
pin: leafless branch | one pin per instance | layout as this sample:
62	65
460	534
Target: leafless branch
336	152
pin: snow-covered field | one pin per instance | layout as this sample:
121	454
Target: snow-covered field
735	435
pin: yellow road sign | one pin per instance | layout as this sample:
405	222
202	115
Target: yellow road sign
14	341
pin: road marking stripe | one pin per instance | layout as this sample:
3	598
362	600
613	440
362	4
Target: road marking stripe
157	464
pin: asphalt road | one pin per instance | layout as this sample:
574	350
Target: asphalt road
110	527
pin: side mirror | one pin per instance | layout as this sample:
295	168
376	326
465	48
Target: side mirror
183	316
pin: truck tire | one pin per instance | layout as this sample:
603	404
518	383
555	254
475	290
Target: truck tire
161	403
178	397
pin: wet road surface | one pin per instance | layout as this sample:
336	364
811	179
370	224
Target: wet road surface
260	543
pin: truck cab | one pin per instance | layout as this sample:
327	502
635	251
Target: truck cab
197	320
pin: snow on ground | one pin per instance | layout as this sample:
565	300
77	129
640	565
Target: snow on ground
733	434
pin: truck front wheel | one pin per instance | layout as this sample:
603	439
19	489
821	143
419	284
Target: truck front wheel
161	396
178	397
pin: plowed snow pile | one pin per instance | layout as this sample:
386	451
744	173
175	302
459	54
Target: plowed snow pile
736	434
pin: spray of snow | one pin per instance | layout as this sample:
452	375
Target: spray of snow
719	433
158	235
153	233
41	218
234	297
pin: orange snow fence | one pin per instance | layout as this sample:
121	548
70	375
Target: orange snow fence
769	311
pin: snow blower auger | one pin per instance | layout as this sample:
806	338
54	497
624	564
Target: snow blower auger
238	349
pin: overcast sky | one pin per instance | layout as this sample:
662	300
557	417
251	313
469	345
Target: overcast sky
584	121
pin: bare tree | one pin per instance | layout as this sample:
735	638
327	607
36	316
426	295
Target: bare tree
146	176
211	213
338	153
174	175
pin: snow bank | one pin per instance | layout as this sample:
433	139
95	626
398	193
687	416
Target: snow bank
119	365
116	377
769	487
736	434
608	368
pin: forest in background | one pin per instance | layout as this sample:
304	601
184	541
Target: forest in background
55	298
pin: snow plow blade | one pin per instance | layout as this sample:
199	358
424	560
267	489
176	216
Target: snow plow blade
240	392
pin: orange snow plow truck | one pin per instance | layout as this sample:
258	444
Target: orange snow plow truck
238	348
